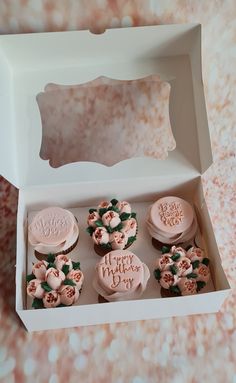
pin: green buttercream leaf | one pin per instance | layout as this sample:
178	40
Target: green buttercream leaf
102	211
61	305
124	216
37	303
200	285
114	201
106	246
206	261
69	282
133	215
29	277
90	230
51	265
109	229
113	208
98	223
46	287
131	240
92	210
191	275
175	289
175	257
195	264
65	269
50	258
165	249
76	265
157	274
118	227
173	269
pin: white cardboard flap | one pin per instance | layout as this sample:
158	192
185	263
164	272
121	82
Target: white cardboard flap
29	62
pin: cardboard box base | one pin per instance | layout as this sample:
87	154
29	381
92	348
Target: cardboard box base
88	311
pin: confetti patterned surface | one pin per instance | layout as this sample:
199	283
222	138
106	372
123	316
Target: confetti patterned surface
177	350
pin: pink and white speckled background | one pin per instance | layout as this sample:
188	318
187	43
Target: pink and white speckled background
191	349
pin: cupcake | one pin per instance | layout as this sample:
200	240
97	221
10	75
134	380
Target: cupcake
55	282
120	275
112	226
53	230
181	272
171	220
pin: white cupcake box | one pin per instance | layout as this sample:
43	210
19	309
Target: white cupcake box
28	63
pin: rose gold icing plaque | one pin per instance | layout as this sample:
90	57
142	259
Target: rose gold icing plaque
105	121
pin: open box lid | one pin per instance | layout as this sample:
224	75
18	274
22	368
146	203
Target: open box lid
29	62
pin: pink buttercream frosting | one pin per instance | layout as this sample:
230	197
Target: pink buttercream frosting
120	275
53	230
171	220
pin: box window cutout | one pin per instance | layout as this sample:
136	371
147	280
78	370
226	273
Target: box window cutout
105	121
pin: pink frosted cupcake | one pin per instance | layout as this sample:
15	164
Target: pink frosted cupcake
171	220
53	230
112	226
181	272
55	282
120	275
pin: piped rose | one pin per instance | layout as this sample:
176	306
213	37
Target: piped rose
77	277
104	205
54	278
167	279
62	260
130	227
68	294
165	262
184	267
118	240
92	218
111	218
34	289
100	236
203	273
124	207
51	299
195	254
187	286
39	270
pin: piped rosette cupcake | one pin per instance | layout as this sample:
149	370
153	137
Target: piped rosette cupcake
120	275
182	272
112	226
171	220
53	230
55	282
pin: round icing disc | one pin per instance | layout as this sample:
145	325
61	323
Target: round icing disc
120	271
52	225
172	215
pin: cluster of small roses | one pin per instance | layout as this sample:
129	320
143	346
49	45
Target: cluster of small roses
112	225
183	272
55	282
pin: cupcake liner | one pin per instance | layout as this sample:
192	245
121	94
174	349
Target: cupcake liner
101	299
42	257
165	293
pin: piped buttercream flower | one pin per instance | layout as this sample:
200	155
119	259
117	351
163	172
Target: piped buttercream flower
100	236
39	270
54	278
77	277
118	240
111	218
34	289
62	260
51	299
68	294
